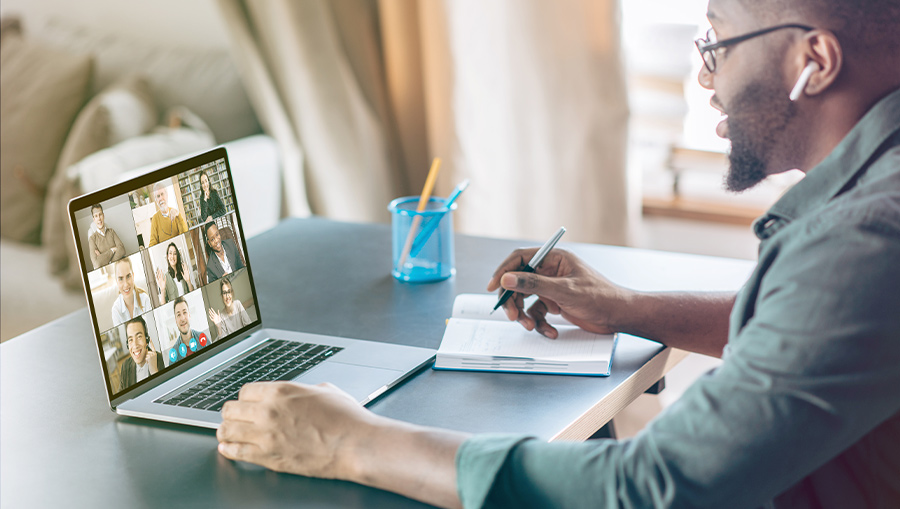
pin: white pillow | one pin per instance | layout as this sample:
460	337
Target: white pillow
105	167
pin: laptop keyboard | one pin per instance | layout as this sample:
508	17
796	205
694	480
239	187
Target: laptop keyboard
273	359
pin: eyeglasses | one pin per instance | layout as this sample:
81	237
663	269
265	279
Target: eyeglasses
227	292
708	46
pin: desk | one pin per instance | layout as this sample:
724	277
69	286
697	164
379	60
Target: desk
60	446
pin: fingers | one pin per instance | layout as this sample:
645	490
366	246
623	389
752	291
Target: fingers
238	431
538	312
529	283
515	310
257	391
552	307
242	452
513	262
246	411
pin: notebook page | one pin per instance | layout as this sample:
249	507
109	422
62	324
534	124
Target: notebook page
508	339
478	306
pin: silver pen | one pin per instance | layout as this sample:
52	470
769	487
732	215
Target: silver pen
533	264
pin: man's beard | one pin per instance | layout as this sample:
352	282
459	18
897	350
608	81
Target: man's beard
757	120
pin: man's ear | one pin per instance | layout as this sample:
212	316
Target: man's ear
822	47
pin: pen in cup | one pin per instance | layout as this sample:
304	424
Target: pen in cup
533	264
433	223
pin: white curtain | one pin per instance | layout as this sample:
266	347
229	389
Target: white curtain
526	98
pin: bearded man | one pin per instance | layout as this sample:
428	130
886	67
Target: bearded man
804	410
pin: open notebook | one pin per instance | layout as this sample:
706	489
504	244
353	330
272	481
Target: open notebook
478	341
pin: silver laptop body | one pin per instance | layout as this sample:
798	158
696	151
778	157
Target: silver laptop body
185	350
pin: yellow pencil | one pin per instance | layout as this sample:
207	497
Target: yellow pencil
423	202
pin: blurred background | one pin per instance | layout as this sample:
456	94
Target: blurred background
588	108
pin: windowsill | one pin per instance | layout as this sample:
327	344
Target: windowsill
700	210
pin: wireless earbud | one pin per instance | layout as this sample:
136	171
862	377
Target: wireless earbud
803	80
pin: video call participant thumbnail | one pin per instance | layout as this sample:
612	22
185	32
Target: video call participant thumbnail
175	281
211	205
143	361
104	244
233	316
189	340
167	222
223	255
132	301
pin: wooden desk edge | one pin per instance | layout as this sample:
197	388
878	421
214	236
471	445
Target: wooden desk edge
604	410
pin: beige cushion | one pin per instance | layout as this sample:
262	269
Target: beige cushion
206	81
124	110
42	90
10	25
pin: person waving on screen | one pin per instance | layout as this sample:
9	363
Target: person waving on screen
233	316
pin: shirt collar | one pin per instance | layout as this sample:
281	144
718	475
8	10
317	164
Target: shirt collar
837	172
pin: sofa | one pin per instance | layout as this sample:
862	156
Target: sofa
83	109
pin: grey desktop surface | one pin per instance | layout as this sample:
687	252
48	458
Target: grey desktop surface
61	446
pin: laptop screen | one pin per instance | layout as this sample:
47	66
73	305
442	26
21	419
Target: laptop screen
165	267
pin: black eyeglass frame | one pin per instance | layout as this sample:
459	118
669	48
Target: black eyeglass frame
704	46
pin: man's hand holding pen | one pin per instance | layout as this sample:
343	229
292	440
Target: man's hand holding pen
565	285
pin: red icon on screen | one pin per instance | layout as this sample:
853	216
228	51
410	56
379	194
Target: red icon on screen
202	340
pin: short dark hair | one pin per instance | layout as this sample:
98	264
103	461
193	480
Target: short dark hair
179	300
206	228
139	320
96	206
864	25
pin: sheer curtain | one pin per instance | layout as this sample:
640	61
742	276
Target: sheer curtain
526	98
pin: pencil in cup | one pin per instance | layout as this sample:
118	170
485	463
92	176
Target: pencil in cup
423	201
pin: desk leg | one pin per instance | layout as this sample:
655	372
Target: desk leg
607	431
658	387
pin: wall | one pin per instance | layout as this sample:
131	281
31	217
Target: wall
193	23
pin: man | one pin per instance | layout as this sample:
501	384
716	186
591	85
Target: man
189	340
104	244
167	222
222	255
804	410
142	361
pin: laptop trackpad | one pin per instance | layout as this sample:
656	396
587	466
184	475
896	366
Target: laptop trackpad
359	381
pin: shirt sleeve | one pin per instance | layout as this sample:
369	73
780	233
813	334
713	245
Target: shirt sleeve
808	376
182	225
154	230
238	263
245	318
120	247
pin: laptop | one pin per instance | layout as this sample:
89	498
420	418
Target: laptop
177	323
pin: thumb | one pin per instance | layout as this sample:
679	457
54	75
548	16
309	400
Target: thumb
530	283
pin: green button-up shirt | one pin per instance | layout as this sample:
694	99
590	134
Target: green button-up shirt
804	410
